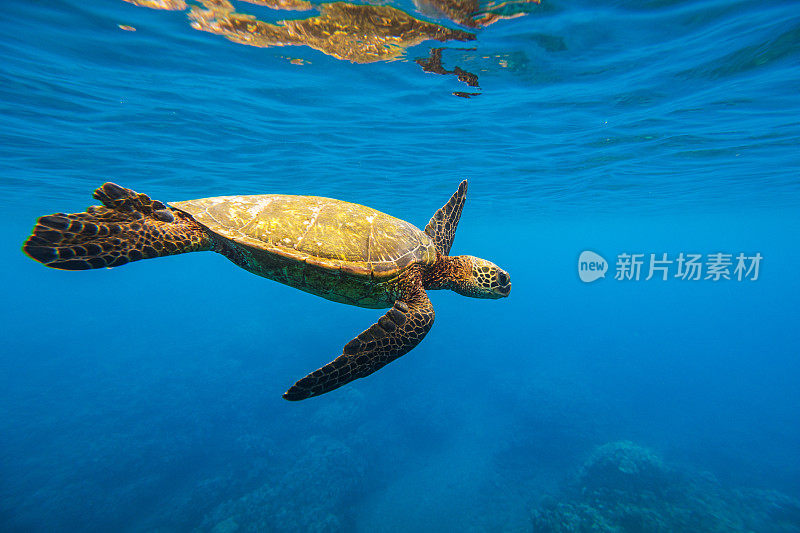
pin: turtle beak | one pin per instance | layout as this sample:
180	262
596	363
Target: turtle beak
503	291
503	288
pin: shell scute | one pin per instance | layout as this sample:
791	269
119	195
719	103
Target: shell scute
322	232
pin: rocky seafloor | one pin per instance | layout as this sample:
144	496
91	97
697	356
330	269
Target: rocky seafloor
625	487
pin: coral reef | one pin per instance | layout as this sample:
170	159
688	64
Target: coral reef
624	487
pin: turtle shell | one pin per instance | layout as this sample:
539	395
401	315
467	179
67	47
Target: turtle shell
323	232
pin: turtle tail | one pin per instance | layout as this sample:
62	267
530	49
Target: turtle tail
128	226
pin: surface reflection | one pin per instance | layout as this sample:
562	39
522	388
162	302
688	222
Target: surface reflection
355	32
360	33
171	5
471	13
433	64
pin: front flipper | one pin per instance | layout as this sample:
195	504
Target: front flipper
443	223
395	334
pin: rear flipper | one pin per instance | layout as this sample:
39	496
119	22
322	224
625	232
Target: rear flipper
396	333
128	227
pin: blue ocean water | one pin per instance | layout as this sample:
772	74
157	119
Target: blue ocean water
148	397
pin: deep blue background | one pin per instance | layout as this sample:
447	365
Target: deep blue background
148	397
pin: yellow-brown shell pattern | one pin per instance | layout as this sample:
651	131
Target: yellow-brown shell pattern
323	232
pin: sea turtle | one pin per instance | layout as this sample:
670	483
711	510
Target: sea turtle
341	251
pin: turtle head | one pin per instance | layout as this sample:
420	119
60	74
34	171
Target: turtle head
478	278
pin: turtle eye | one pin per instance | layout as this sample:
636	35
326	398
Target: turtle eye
502	278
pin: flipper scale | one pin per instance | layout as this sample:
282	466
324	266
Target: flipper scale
395	334
442	226
128	227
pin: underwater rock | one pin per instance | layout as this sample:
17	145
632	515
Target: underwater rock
301	498
624	466
624	487
226	526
